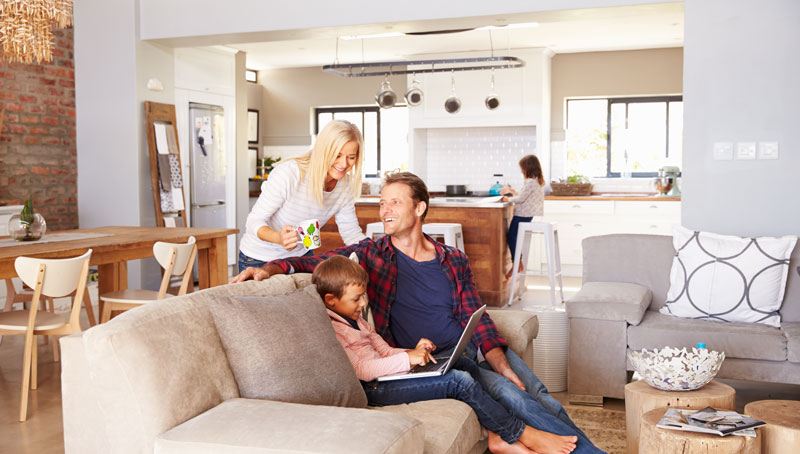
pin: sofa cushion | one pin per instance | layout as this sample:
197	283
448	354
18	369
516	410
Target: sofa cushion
792	332
728	278
262	426
518	328
610	301
283	347
154	367
451	427
737	340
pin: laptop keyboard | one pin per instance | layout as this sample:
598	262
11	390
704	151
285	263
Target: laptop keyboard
431	366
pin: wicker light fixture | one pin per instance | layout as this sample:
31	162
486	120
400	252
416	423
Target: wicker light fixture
26	28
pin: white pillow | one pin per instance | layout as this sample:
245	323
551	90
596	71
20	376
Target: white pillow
728	278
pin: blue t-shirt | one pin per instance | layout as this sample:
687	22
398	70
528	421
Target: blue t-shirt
423	305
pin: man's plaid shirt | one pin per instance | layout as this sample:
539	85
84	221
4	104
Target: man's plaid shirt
379	259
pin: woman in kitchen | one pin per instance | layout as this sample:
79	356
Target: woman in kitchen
320	184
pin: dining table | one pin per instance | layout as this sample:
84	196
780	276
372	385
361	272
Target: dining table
113	246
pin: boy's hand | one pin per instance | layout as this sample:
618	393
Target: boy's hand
421	355
425	343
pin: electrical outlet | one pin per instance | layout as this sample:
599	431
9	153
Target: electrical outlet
746	150
723	151
768	150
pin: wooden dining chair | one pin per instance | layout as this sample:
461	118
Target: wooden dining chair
175	259
53	278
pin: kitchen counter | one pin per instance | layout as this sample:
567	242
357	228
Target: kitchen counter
616	196
484	226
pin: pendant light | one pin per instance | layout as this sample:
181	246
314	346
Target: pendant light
414	93
452	104
492	102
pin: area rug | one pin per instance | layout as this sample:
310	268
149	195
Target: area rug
606	428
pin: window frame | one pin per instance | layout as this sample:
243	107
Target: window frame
363	110
666	99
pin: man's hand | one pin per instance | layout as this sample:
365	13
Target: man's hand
497	359
257	274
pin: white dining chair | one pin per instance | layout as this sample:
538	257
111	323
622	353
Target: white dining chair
53	278
175	259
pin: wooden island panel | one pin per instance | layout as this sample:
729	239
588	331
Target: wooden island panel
484	241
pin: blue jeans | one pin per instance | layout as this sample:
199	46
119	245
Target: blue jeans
245	261
535	406
460	383
511	236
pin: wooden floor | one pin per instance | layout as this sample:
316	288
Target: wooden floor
42	432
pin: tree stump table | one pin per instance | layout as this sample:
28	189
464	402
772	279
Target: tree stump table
782	432
654	440
641	398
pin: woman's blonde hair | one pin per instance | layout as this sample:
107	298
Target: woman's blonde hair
315	164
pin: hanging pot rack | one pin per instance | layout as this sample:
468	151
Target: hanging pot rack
390	68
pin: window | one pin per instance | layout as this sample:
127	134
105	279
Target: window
250	75
385	133
614	137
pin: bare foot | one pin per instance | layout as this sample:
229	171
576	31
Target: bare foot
498	446
547	443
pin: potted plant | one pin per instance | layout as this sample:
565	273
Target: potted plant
28	225
573	185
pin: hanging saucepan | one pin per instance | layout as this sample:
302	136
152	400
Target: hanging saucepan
452	104
492	101
386	96
414	93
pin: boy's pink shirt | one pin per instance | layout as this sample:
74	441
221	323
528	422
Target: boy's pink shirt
369	354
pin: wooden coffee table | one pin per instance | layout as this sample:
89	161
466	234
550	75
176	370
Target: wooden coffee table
782	432
641	398
655	440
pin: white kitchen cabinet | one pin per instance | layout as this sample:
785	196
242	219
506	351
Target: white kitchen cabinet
579	219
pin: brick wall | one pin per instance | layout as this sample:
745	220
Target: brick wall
37	142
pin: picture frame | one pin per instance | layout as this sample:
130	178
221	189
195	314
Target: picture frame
252	161
252	126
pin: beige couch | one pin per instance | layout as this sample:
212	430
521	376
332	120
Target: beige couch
625	283
157	379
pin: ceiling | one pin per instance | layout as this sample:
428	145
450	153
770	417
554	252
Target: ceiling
584	30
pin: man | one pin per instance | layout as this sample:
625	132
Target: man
420	288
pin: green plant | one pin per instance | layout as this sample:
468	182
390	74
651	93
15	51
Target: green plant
26	215
577	179
269	163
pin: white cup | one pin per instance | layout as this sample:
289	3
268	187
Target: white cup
308	232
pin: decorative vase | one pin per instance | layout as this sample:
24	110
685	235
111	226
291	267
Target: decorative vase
26	231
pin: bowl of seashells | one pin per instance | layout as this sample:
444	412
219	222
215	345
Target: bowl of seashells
672	369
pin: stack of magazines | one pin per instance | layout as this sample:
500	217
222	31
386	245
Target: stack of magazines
711	421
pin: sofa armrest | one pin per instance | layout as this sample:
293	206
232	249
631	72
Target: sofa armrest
262	426
518	328
613	301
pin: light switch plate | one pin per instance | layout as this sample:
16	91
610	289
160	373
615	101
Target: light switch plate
768	150
746	150
723	151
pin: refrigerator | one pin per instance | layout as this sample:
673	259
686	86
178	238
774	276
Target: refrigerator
207	165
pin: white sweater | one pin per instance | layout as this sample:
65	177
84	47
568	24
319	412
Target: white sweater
529	201
285	200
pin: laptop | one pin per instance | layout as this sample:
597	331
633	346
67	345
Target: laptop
445	363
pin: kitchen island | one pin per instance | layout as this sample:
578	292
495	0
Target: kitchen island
484	226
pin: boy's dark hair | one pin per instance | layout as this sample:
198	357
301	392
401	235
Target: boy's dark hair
419	192
334	275
532	168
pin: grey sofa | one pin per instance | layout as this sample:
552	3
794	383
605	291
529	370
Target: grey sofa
625	283
157	379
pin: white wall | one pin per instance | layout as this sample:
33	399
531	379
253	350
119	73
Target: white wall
741	84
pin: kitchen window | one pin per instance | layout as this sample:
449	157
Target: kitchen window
614	137
385	133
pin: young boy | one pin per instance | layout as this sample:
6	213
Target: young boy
342	284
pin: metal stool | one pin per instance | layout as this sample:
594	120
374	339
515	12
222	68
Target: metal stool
550	231
452	233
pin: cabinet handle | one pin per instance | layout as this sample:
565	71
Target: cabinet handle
577	225
653	226
653	206
576	206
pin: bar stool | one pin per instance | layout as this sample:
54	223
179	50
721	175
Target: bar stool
550	231
451	232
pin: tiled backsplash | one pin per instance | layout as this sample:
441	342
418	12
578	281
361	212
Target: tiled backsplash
472	155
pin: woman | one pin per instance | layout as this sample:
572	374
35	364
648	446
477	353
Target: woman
317	185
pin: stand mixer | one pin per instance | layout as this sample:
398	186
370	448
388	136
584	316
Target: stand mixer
667	181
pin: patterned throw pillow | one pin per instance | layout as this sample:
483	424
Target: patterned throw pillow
728	278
